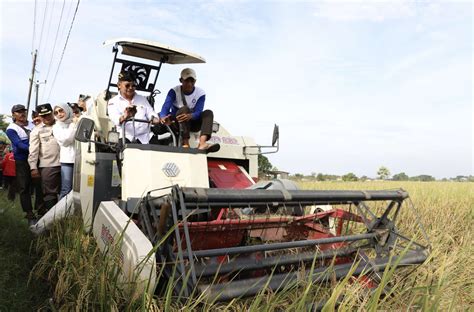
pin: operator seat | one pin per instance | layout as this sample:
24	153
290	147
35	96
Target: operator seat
100	116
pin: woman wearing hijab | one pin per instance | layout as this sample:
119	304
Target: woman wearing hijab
64	130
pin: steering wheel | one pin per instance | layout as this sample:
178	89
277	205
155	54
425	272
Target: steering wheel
170	132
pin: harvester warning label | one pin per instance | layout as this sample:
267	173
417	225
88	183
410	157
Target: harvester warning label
115	174
90	180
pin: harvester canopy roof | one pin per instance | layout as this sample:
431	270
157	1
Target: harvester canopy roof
153	50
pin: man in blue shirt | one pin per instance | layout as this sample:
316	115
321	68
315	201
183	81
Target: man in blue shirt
184	104
19	137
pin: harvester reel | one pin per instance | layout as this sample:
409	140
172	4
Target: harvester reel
223	258
283	185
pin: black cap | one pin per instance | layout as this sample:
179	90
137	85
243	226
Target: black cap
126	76
83	97
18	107
44	109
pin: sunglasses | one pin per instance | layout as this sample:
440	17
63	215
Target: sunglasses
58	111
129	85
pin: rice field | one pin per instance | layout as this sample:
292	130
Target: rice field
81	278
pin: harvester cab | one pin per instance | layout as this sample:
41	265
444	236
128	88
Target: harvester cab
106	170
201	222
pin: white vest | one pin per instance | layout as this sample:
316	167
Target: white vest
19	130
191	99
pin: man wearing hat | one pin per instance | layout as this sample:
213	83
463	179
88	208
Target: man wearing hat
184	104
128	104
19	136
44	156
37	187
35	118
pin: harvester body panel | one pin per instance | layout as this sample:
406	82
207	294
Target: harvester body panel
96	179
227	174
130	249
83	183
151	167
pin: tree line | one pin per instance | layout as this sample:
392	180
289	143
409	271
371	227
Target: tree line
402	176
383	173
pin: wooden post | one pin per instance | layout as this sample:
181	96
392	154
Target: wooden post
31	82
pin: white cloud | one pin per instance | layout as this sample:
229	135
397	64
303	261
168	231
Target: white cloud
408	62
347	98
373	11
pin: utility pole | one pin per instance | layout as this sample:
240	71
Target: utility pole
31	81
37	90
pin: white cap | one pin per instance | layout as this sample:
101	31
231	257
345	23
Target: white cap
188	73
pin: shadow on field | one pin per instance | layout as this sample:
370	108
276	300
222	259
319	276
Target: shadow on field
16	262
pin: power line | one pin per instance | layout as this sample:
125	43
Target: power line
47	32
67	18
64	49
42	24
55	40
34	30
45	51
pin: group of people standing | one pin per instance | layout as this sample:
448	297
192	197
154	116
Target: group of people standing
44	155
44	150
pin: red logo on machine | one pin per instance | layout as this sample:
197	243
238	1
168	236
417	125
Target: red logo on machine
106	237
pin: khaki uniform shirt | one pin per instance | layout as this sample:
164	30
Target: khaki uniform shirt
44	149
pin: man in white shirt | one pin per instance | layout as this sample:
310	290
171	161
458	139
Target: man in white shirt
128	104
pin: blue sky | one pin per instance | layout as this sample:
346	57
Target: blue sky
353	85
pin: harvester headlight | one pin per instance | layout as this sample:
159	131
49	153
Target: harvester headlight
113	137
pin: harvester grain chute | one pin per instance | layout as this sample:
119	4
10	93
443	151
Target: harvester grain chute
201	222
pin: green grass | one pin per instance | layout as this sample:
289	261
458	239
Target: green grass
446	210
16	262
82	278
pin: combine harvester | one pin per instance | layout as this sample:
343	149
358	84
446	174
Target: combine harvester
201	220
